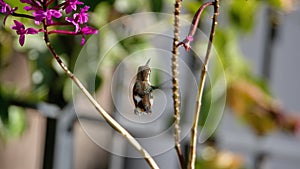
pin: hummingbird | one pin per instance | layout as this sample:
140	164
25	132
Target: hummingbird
143	90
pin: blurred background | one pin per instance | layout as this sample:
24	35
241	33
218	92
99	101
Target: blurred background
256	41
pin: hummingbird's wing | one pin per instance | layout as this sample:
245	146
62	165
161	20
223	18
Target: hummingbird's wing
164	85
142	97
137	93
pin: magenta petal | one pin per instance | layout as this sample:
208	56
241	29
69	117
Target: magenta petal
68	10
68	19
71	20
84	19
189	38
19	27
85	9
79	3
26	1
86	30
39	15
55	13
37	22
71	5
5	8
82	40
18	24
76	27
74	7
27	8
22	40
31	31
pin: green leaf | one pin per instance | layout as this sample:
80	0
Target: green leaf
206	103
102	9
192	7
13	124
19	4
129	6
156	5
17	121
275	3
242	14
3	110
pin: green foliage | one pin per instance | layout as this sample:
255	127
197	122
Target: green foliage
51	85
156	78
242	14
275	3
206	103
192	6
3	109
18	4
129	6
12	118
93	4
13	123
102	9
134	43
156	5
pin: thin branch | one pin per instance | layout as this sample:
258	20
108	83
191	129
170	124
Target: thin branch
62	32
175	89
193	28
50	2
193	143
112	122
22	15
60	24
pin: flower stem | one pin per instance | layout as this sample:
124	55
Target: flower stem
175	89
49	2
60	24
193	143
111	121
193	28
196	18
22	15
64	32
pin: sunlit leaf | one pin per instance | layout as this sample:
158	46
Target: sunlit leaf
17	121
276	3
156	5
242	14
3	109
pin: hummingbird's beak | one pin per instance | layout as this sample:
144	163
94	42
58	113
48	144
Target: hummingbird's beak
147	64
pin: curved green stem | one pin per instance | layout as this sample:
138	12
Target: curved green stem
110	120
22	15
193	143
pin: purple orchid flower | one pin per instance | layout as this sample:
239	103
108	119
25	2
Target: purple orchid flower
6	9
71	5
41	13
20	30
48	14
29	2
26	1
83	16
79	18
33	5
86	30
